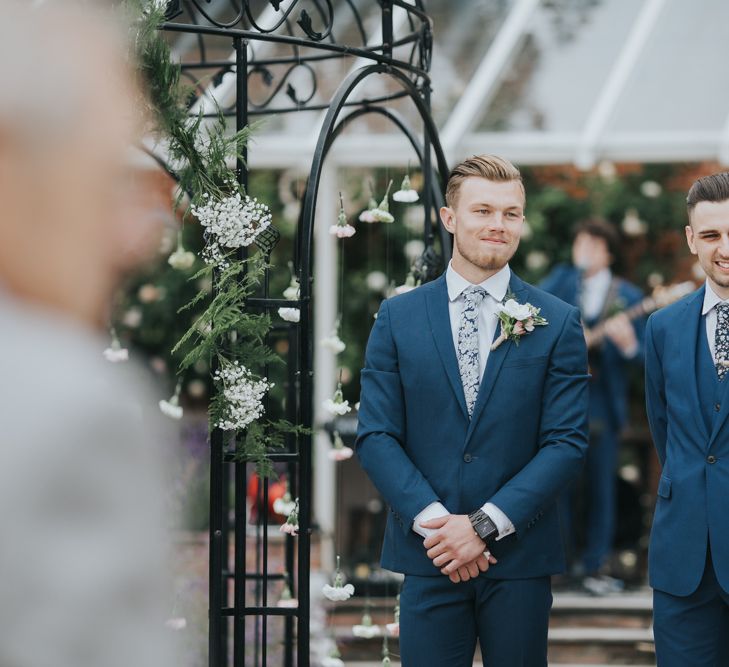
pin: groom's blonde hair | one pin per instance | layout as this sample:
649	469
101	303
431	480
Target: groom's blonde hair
490	167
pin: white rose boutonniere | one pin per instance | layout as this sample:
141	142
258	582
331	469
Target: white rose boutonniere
517	319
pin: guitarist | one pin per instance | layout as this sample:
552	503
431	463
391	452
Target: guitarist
600	295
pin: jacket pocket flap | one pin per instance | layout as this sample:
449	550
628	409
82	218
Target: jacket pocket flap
664	487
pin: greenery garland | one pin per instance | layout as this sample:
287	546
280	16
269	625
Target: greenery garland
225	336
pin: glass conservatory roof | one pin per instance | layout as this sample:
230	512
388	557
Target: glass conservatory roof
538	81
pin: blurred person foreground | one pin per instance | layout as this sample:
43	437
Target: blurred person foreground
82	556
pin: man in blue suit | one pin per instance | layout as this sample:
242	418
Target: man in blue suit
687	354
470	436
600	295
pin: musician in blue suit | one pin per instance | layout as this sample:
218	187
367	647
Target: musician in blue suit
600	295
470	436
687	344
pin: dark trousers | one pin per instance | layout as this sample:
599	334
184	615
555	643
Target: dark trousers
693	631
440	621
597	493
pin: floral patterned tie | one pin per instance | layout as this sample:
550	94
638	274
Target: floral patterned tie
721	338
468	345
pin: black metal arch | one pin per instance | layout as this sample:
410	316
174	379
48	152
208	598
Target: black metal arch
311	39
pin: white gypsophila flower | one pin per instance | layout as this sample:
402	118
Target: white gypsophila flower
176	623
171	408
242	394
333	343
293	291
406	194
651	189
231	222
519	311
289	314
338	593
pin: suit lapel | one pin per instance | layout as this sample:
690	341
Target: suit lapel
689	339
440	324
496	358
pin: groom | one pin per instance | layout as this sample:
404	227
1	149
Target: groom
470	443
688	405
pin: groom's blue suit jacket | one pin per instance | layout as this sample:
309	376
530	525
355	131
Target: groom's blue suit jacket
525	443
687	411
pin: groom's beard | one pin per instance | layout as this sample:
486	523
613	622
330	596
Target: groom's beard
493	260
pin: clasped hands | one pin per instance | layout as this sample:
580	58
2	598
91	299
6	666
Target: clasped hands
455	548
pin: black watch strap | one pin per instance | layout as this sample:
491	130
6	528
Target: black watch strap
482	524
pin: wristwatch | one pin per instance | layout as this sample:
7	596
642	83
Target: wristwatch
482	524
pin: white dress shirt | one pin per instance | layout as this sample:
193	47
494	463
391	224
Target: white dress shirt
594	292
496	287
711	299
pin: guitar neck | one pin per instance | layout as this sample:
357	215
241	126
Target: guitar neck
596	335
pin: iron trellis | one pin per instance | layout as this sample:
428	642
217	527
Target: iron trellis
308	41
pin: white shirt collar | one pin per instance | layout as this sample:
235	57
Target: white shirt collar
497	285
710	299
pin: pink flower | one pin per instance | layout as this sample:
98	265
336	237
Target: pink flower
367	216
393	629
519	329
529	324
340	453
289	528
342	231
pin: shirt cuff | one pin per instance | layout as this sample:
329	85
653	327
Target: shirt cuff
432	511
503	524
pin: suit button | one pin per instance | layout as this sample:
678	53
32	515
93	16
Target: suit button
711	459
717	407
467	458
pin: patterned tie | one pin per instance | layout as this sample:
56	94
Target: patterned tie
721	338
468	345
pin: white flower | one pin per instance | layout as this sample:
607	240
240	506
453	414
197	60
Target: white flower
181	259
338	593
171	408
290	314
651	189
632	225
607	170
292	292
333	342
406	193
536	260
366	628
331	661
382	215
414	249
340	452
518	311
381	212
376	281
132	318
115	352
337	405
176	623
410	284
393	629
366	216
526	231
231	222
243	395
284	505
286	599
342	231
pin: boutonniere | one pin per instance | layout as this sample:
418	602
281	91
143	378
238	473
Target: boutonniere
517	320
